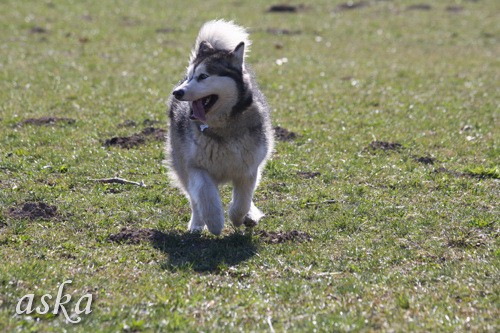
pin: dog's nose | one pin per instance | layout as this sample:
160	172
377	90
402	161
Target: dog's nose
178	93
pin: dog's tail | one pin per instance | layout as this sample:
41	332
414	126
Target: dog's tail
222	35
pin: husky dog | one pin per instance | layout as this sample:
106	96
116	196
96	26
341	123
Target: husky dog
220	129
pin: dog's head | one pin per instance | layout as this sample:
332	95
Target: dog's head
213	82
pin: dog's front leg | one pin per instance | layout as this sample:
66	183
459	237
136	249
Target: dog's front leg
205	201
242	209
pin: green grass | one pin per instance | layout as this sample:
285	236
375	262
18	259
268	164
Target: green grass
398	244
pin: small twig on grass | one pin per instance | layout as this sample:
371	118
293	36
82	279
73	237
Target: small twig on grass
270	323
331	201
119	180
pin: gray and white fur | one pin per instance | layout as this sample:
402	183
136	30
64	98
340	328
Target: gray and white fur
220	129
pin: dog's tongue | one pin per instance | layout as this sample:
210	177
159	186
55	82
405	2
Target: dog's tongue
199	110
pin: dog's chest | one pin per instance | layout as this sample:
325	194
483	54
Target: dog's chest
228	159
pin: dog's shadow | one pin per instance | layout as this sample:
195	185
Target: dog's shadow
203	253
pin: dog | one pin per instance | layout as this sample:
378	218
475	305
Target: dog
220	129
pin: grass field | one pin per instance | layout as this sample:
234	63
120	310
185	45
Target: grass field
382	210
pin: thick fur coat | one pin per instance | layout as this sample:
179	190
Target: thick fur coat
220	129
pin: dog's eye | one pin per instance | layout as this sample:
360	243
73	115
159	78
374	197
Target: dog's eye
202	77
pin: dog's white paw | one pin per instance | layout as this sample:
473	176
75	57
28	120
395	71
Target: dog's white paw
196	226
253	217
249	222
250	219
214	222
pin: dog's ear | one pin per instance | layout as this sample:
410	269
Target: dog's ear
204	49
238	54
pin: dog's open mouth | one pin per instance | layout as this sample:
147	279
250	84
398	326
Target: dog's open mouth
202	106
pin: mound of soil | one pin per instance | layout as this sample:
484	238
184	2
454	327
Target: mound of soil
383	145
425	160
147	134
34	211
273	237
38	30
46	121
284	8
282	134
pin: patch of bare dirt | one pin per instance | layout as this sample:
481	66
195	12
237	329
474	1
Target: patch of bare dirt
46	121
282	134
308	174
285	8
33	211
38	30
137	139
274	237
384	145
425	160
351	5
